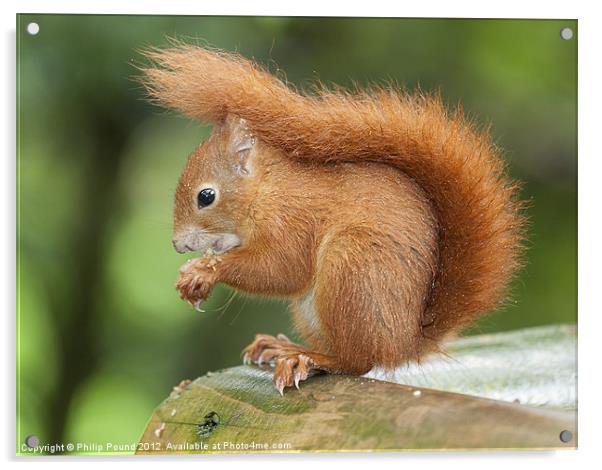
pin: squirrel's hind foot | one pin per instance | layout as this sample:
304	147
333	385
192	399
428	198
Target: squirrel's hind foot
293	363
266	348
292	369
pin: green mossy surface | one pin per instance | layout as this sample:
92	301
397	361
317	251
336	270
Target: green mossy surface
332	413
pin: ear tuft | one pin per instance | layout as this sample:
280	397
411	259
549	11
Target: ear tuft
241	141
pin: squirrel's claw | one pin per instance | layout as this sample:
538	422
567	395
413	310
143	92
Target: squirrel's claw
279	382
246	359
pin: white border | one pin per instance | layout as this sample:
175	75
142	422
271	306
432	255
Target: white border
590	313
382	8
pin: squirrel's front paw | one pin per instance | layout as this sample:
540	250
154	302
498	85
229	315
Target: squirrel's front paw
196	280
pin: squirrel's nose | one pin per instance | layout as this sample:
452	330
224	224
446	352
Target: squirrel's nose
180	247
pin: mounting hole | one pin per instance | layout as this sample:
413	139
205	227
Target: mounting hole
33	28
566	436
566	34
32	441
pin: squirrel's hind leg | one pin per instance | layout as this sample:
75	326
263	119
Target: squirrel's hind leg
370	292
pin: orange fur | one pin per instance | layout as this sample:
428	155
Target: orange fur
388	217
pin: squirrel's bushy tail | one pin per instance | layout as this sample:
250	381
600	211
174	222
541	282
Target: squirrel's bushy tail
481	226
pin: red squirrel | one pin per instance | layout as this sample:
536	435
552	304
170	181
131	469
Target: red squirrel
388	222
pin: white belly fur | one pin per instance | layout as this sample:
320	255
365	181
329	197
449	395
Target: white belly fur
308	312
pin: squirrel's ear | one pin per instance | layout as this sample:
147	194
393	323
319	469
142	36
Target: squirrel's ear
240	143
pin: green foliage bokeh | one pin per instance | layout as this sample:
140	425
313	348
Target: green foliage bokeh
102	334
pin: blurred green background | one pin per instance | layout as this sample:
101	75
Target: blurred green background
102	334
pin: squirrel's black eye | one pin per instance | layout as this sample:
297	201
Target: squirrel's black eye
205	197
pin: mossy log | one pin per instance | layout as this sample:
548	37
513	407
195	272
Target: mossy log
240	410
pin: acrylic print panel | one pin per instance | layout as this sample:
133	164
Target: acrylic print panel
370	229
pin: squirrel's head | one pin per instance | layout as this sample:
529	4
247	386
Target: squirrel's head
215	191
